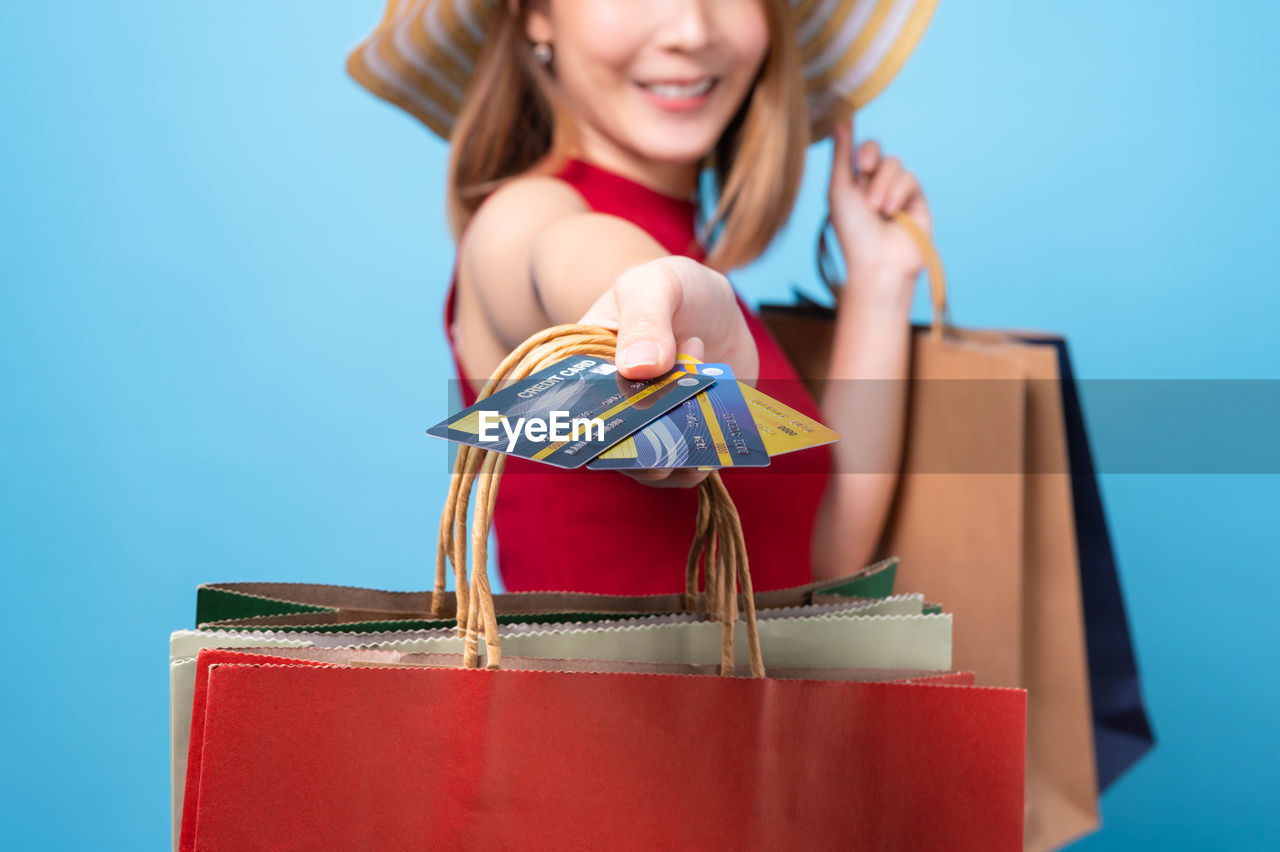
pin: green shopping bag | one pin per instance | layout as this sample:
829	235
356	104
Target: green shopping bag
318	608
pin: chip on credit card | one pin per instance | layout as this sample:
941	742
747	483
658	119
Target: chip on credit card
712	430
568	413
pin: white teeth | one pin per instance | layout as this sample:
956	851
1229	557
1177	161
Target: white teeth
680	90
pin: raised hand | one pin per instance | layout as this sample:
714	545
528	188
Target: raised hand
866	190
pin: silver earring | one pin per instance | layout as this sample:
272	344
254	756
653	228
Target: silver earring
542	52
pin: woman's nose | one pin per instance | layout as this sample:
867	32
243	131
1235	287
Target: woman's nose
686	24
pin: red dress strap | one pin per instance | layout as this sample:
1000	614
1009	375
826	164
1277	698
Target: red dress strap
600	531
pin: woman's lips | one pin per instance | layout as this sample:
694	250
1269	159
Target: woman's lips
678	95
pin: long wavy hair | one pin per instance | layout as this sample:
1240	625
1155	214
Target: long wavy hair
511	117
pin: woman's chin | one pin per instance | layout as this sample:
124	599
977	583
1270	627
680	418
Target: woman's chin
684	149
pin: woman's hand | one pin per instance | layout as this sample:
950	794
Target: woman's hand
667	306
674	300
878	252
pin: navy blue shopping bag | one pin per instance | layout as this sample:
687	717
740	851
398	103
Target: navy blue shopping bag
1121	730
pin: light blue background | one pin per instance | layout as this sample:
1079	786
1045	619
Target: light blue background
223	263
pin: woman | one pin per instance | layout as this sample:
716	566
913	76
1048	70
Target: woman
586	137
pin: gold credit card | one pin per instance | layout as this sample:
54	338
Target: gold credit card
784	429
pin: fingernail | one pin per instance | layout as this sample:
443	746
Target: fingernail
642	354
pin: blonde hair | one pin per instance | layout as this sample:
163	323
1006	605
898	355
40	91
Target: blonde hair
511	117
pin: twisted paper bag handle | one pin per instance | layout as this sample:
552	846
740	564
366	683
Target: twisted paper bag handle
718	545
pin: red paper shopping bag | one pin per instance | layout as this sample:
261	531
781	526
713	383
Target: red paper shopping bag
297	756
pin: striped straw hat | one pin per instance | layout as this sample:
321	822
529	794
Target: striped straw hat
422	53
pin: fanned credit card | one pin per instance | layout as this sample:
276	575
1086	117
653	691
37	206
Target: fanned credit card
782	428
712	430
568	413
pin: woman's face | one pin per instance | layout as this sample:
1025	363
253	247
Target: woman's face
657	80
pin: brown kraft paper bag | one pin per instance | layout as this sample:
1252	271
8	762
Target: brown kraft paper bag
983	520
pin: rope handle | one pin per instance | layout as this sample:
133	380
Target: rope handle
718	552
932	267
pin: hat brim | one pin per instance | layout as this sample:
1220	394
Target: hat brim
422	53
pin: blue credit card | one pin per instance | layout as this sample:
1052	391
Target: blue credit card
567	414
712	430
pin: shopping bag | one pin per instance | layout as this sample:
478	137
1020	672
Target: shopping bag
334	756
1028	548
872	641
181	687
889	633
982	410
1122	732
311	605
990	489
285	607
530	756
371	656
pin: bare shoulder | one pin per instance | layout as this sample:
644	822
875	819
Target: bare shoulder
497	305
537	189
508	220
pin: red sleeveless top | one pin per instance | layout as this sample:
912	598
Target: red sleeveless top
600	531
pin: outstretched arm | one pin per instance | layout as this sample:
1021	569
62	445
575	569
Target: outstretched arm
534	256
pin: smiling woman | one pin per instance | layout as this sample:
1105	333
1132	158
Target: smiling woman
647	90
214	277
610	161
